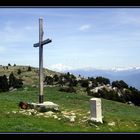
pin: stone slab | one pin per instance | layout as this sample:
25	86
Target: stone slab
45	106
95	110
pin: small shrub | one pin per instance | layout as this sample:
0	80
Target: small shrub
23	105
67	89
19	72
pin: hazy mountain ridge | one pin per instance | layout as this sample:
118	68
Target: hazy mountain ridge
131	76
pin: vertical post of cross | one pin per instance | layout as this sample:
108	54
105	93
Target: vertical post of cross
40	45
41	96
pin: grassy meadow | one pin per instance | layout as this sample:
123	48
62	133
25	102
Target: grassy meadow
125	117
117	117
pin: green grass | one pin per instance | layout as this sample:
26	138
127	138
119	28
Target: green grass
126	117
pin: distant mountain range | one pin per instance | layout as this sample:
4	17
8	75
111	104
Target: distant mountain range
131	76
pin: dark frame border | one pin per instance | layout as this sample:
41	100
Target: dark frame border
70	4
74	3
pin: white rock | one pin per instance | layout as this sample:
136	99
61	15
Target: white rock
39	114
55	117
49	113
85	117
72	118
111	123
66	116
88	112
73	114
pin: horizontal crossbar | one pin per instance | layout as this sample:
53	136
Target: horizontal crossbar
43	42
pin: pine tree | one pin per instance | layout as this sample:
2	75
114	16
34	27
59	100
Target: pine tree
14	82
9	64
19	71
4	83
29	68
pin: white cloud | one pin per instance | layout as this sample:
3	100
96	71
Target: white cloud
59	67
85	27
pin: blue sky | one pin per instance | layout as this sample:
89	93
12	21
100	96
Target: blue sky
102	38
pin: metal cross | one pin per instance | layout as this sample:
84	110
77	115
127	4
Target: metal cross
40	45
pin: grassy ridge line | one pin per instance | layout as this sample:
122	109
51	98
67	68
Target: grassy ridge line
29	77
23	69
125	117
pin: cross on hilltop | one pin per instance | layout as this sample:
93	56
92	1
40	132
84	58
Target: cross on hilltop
40	45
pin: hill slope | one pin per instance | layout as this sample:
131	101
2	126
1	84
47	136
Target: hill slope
118	117
29	77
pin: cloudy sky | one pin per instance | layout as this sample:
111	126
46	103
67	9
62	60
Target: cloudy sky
102	38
